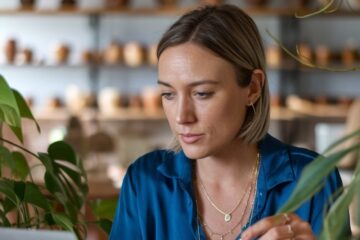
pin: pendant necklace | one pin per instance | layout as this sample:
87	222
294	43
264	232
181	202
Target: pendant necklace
228	215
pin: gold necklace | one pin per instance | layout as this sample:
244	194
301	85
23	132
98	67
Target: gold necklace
228	215
223	235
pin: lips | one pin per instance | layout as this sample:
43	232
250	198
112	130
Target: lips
190	138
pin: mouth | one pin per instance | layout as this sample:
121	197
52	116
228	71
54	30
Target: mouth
190	138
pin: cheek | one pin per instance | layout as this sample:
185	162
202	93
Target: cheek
169	113
228	117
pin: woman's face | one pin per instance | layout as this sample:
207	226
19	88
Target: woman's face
202	101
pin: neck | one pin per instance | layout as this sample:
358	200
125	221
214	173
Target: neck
229	167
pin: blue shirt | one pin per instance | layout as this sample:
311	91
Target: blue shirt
157	199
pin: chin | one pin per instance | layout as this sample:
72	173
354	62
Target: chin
195	152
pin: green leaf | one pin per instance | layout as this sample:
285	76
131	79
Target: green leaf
24	109
18	133
312	178
47	162
51	183
21	168
34	196
71	171
2	117
8	205
9	108
6	158
62	151
6	95
7	188
105	225
336	221
9	115
4	222
63	221
61	198
104	208
12	119
19	188
49	219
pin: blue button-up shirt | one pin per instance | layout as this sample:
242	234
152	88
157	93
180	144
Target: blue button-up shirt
157	198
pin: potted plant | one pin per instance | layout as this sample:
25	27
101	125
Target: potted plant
58	202
312	178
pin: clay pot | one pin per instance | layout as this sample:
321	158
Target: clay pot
273	56
26	56
305	52
323	55
211	2
349	56
151	100
68	2
62	53
135	102
133	54
113	54
117	3
27	3
10	51
256	3
167	3
87	57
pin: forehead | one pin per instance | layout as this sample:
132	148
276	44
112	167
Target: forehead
191	62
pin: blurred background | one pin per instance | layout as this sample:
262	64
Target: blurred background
88	70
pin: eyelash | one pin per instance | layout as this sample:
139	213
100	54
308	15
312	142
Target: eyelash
201	95
167	95
204	95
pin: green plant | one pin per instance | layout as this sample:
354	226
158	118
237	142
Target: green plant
56	203
312	178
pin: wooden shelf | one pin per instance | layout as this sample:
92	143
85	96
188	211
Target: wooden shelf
95	11
52	66
75	66
62	114
254	11
276	114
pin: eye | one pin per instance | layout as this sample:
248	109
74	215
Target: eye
167	95
204	95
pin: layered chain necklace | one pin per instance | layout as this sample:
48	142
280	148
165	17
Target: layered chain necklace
228	215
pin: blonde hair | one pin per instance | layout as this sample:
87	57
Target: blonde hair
232	34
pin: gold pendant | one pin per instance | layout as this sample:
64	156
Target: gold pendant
227	217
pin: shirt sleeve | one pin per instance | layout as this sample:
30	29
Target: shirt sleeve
126	220
321	200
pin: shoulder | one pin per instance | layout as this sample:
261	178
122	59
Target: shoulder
281	157
300	157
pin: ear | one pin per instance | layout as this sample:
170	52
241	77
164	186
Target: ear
256	85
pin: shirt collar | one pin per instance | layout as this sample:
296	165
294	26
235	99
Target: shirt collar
275	164
177	165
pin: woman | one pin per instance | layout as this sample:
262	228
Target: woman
225	177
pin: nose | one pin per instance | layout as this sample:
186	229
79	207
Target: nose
185	113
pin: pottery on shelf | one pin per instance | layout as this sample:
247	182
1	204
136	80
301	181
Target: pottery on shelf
256	3
10	50
211	2
117	3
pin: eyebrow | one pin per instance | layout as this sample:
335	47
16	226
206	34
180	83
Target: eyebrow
193	84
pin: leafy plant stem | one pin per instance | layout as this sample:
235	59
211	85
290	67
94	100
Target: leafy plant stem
18	146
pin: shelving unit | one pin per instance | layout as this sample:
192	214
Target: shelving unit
289	70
